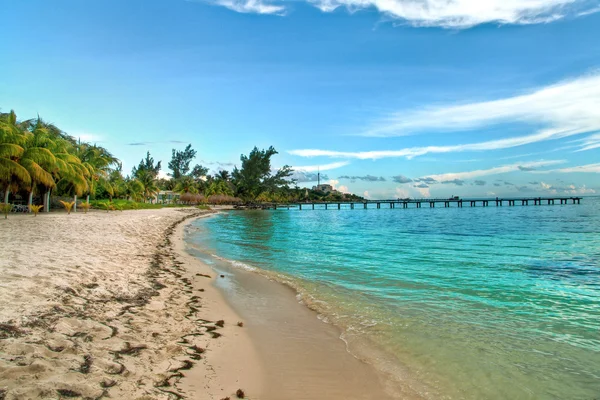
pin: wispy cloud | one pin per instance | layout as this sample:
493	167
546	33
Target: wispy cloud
149	143
251	6
589	168
564	109
324	167
412	152
451	176
454	14
367	178
589	143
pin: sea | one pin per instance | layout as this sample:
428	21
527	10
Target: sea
464	303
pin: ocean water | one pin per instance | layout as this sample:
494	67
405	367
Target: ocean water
472	303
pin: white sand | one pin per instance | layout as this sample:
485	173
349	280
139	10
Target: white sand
102	305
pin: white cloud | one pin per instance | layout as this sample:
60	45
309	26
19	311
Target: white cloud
565	109
334	183
570	189
589	168
325	167
412	152
366	194
525	166
251	6
589	143
454	14
86	137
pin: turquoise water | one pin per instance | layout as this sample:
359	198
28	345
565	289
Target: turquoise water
473	303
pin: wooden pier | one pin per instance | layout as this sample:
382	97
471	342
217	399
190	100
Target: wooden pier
432	203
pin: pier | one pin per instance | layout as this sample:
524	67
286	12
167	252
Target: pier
430	203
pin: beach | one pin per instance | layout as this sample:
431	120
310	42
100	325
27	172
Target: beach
101	304
111	305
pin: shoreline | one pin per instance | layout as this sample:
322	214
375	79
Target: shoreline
305	357
114	305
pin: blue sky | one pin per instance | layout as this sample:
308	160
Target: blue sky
390	98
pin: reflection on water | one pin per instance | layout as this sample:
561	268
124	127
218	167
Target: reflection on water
477	303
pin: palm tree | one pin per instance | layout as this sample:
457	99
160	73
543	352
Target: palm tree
148	180
135	189
38	159
98	161
12	139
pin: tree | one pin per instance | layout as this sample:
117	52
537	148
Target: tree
99	163
147	164
255	175
199	172
12	140
148	181
180	161
223	175
186	184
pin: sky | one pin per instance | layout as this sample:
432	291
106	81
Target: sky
386	98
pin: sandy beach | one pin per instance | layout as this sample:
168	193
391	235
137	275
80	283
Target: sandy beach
103	305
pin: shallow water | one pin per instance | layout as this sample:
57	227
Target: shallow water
467	303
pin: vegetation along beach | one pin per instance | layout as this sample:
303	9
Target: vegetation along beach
307	200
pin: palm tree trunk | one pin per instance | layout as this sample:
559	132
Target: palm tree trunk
30	202
47	201
6	193
75	205
88	199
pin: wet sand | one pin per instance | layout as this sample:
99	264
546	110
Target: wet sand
302	357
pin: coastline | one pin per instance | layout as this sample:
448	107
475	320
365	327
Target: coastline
114	305
103	305
303	355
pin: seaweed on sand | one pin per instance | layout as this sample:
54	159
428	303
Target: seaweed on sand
68	393
8	330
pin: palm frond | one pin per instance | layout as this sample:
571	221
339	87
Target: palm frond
11	171
10	150
40	155
37	173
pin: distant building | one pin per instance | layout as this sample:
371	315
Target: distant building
325	188
166	197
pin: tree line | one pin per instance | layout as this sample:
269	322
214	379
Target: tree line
38	159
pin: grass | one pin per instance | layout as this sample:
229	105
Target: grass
120	205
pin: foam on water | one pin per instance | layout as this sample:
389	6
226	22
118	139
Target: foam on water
462	303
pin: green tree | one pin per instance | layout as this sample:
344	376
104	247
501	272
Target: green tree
12	140
255	175
180	162
147	164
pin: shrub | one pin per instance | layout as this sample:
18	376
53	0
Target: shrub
5	209
35	209
85	207
68	205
